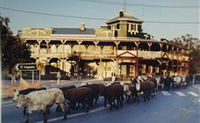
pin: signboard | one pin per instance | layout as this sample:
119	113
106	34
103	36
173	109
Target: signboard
39	65
26	66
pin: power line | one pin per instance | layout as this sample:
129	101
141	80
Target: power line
172	22
51	14
91	18
140	5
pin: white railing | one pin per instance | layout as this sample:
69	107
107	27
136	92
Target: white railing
149	54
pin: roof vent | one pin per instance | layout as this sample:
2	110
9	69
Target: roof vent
82	26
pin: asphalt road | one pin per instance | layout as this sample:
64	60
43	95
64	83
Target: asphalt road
174	106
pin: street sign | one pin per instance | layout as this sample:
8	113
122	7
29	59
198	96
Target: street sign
39	65
26	66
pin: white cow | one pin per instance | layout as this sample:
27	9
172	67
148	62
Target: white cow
41	101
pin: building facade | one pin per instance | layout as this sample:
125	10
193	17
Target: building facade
120	47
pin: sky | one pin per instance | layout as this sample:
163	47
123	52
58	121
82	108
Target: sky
167	11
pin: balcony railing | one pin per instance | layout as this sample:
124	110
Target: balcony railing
149	54
111	54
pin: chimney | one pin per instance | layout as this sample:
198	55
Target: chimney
121	13
82	26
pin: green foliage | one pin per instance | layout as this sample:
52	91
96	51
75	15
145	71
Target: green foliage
193	44
13	50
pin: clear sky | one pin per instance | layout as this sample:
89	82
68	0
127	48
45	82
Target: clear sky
190	13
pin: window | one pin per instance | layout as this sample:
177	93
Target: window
117	26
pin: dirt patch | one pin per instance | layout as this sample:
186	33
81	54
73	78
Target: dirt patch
7	90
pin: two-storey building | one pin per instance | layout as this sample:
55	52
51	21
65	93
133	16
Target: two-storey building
120	47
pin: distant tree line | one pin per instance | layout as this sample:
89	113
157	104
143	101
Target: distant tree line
193	44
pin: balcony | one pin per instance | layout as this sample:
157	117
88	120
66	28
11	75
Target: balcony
97	55
149	54
178	56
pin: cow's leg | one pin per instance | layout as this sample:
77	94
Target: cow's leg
83	104
24	112
105	101
144	96
45	116
48	110
110	103
97	97
137	96
149	94
127	98
27	117
116	103
154	92
133	97
74	104
57	108
89	103
63	108
122	98
120	102
69	108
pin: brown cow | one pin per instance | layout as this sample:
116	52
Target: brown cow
67	87
145	88
155	85
148	88
95	92
79	95
112	93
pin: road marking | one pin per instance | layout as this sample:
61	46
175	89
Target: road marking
189	110
195	87
6	102
7	105
179	93
193	94
74	115
199	100
166	93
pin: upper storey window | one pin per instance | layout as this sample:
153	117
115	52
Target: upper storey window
117	26
133	28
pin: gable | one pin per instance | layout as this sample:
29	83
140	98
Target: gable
128	54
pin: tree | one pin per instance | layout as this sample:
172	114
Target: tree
193	44
13	50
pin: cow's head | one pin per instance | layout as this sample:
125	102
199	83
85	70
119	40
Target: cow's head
22	101
16	94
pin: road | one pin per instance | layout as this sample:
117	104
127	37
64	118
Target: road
174	106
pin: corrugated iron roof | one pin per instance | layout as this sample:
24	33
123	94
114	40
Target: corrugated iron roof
124	16
128	18
75	31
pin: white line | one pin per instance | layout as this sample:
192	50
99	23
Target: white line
74	115
7	105
189	110
6	102
193	94
166	93
199	100
198	88
179	93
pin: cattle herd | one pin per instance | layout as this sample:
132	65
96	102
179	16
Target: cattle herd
72	97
